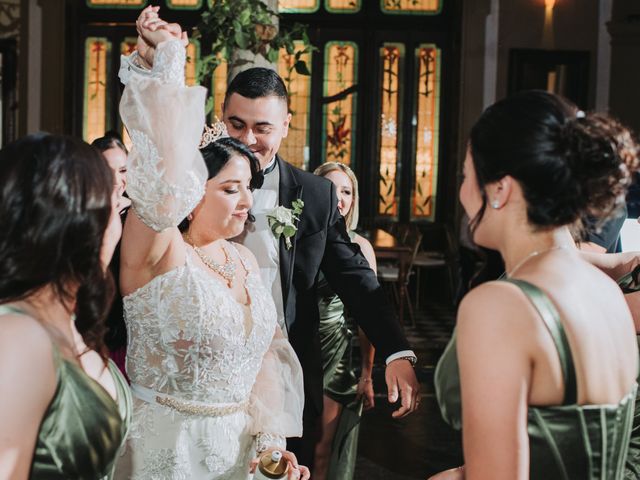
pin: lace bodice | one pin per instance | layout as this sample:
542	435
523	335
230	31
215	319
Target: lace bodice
190	338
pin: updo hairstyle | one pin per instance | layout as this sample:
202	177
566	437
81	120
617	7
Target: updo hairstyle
568	164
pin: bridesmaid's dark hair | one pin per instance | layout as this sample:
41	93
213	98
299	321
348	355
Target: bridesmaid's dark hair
111	139
568	163
55	206
218	153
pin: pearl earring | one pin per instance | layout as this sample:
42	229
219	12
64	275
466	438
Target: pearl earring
495	204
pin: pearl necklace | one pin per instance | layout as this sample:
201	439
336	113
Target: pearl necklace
535	253
226	271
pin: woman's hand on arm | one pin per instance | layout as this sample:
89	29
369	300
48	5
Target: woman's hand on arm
365	385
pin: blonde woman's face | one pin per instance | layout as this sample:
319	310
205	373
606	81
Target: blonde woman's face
344	190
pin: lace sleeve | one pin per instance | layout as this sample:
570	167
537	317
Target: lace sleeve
166	174
277	398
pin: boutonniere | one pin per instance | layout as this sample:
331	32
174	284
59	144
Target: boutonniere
283	221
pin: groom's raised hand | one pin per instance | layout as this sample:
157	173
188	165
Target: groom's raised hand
401	381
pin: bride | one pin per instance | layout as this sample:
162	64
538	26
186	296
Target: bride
214	380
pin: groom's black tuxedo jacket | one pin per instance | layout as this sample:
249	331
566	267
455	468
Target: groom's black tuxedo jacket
323	244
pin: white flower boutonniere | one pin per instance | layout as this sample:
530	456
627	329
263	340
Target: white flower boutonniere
283	221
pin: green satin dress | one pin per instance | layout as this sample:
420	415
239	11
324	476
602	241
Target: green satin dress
629	284
83	427
340	381
568	441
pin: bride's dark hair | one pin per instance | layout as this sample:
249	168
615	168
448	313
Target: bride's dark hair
218	153
55	206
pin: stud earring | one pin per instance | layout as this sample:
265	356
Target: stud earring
190	217
495	204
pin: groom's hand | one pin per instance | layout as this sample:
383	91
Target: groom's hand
401	380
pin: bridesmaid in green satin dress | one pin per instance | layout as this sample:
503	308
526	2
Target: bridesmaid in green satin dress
345	396
65	408
625	269
541	371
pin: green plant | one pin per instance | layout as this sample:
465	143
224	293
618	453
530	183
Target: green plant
251	25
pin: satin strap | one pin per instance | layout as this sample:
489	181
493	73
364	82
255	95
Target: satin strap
551	318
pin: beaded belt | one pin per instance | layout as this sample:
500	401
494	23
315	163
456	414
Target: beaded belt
187	407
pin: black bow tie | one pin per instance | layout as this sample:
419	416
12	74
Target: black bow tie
270	168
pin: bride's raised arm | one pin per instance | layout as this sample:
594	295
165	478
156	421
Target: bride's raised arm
166	173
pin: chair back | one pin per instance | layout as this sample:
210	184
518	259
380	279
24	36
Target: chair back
413	239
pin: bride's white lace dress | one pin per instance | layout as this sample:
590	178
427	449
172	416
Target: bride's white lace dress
213	380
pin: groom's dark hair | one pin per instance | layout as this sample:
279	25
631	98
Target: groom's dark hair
257	82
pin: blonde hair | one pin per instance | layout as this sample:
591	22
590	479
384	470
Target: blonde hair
351	218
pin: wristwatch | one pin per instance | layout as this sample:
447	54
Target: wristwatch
412	360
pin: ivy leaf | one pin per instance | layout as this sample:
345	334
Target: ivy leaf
301	68
245	17
241	39
272	55
208	107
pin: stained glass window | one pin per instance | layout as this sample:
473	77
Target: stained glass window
219	88
427	132
116	3
339	110
343	6
193	53
298	6
391	59
184	4
295	148
127	47
97	53
405	7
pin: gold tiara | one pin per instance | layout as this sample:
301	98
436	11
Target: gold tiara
216	131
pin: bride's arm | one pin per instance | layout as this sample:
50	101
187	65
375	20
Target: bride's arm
277	398
166	173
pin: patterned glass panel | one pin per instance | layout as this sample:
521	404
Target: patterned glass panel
219	88
127	47
427	132
343	6
339	115
193	53
97	53
391	58
408	7
298	6
184	4
116	3
295	148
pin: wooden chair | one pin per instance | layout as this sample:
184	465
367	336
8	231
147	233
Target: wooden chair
445	259
397	273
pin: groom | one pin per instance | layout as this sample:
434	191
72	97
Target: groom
255	111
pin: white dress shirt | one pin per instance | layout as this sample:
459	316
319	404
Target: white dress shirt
263	243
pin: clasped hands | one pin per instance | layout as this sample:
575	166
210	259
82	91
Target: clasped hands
152	30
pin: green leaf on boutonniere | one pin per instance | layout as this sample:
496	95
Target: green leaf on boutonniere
282	221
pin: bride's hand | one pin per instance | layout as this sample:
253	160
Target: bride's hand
296	471
152	30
